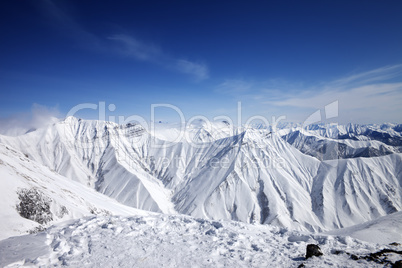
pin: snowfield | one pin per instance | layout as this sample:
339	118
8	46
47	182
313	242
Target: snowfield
91	193
218	171
67	199
382	230
178	241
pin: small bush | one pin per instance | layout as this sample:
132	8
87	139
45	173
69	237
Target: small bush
63	211
34	205
37	229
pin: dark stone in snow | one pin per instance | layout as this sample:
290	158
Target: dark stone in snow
354	257
397	264
313	250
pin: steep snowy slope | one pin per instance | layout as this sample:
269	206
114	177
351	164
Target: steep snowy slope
197	131
384	230
49	196
388	133
249	176
324	148
351	191
87	152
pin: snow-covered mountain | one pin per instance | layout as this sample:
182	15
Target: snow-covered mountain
44	197
333	141
387	133
222	172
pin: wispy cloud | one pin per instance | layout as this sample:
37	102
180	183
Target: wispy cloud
380	74
253	89
18	124
132	47
370	96
67	25
122	44
199	70
368	90
234	86
139	50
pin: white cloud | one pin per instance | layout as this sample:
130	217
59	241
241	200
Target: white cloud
132	47
18	124
364	97
380	74
369	96
69	26
123	44
364	104
200	71
373	96
234	86
139	50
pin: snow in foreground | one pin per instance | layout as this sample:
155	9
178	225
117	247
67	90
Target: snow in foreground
177	241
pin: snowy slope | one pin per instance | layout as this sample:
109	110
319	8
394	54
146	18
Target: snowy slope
219	172
334	147
384	230
84	151
195	131
256	179
351	191
177	241
67	199
387	133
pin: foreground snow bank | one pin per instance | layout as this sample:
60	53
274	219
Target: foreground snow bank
176	241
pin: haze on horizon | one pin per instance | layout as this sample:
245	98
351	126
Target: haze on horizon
278	59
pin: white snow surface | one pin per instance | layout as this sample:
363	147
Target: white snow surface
115	194
384	230
218	172
177	241
19	172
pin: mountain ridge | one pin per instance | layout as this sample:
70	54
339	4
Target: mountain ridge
254	175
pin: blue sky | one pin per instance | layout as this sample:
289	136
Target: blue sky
278	58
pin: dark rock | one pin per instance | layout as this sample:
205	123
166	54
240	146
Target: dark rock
354	257
313	250
217	225
301	265
337	252
397	264
255	247
380	257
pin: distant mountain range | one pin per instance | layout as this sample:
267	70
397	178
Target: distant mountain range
318	178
